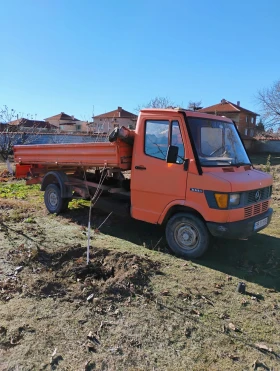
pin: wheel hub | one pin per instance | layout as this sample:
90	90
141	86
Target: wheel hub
53	199
186	236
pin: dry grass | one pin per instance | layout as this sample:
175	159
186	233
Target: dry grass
156	312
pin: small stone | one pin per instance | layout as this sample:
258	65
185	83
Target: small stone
18	269
90	297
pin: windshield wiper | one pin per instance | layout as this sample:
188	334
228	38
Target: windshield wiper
216	160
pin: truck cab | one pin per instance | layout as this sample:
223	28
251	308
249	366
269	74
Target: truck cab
190	171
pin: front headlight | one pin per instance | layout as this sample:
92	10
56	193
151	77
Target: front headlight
234	199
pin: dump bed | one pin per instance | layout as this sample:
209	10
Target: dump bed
115	155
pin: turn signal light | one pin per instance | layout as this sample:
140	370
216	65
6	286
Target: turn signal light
222	200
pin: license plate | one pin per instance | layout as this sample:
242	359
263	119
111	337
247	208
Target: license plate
260	223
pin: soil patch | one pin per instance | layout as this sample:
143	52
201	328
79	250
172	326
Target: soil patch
64	274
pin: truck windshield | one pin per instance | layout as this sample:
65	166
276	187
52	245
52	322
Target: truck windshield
217	143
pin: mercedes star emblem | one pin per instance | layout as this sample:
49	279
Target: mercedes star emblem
257	196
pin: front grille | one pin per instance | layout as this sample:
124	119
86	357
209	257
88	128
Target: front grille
255	209
250	197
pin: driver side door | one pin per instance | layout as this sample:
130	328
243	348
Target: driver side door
155	183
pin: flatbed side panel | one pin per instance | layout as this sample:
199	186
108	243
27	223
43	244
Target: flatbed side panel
117	154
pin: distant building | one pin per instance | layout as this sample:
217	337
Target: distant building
24	124
244	119
67	123
106	122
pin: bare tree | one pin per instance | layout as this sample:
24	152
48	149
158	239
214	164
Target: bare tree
157	102
194	106
269	100
14	134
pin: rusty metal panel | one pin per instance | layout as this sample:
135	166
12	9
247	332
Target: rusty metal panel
117	154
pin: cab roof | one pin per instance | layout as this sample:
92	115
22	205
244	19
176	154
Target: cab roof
189	113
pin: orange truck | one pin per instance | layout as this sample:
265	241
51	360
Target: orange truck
189	172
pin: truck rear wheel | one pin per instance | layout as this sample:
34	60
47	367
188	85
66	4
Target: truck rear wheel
187	235
53	200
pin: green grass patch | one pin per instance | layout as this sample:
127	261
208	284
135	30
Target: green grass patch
78	204
18	190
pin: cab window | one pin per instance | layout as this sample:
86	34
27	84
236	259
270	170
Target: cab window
156	138
177	140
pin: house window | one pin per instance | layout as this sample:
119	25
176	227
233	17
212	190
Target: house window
156	138
100	127
246	118
78	127
252	132
252	120
246	131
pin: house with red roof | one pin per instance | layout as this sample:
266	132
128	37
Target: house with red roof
24	124
106	122
67	123
244	119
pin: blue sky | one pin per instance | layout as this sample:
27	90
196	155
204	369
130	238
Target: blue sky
70	55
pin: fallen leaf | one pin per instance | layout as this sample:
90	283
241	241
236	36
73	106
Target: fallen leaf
232	327
207	300
218	286
196	312
53	354
263	347
90	335
165	293
271	290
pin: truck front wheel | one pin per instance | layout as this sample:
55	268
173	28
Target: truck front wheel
53	200
187	235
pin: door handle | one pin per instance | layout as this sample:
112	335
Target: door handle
140	167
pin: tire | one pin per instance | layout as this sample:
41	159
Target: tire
187	235
53	200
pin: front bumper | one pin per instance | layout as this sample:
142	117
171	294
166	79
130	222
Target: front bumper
241	229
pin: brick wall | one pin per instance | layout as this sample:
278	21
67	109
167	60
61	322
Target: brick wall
247	121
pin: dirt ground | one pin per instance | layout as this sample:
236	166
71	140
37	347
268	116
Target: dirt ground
135	306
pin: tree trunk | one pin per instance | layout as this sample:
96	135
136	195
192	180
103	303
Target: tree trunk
9	166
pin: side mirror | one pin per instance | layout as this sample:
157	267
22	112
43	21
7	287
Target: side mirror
172	154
